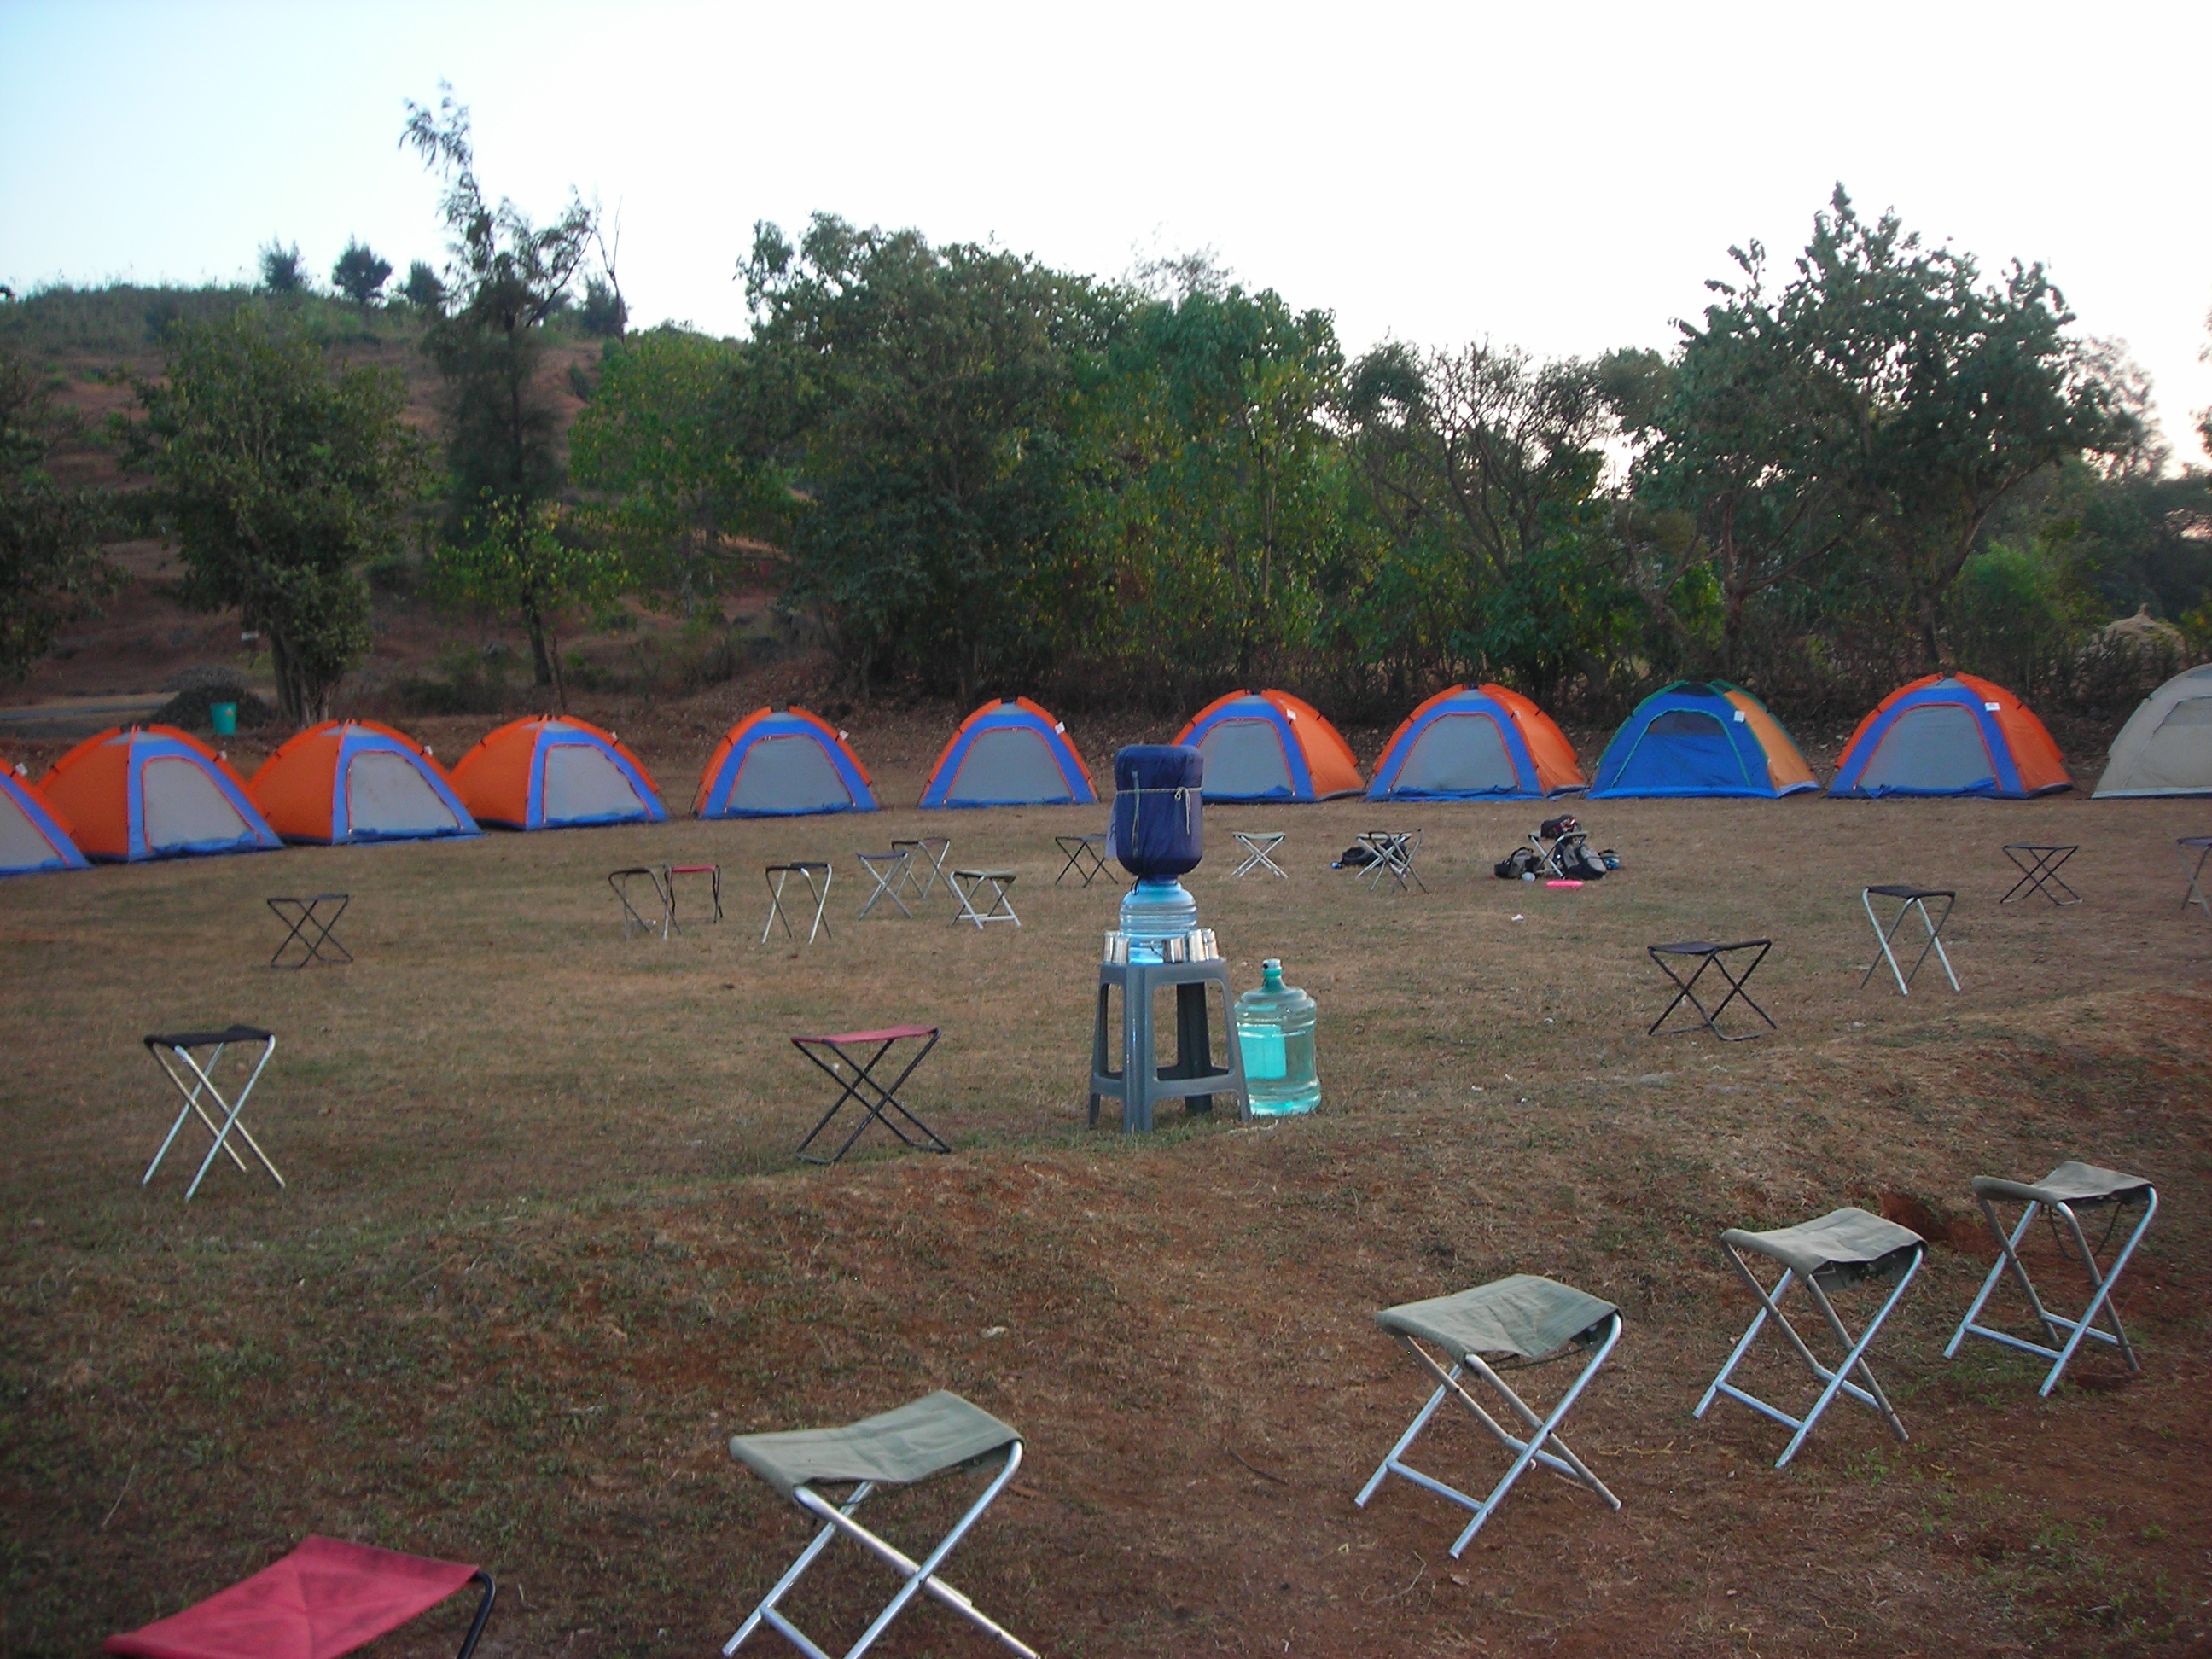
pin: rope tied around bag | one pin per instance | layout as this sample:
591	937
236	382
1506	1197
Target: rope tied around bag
1188	796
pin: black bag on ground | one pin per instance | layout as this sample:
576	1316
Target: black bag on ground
1355	858
1521	861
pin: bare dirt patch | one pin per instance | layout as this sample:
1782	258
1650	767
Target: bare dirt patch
544	1249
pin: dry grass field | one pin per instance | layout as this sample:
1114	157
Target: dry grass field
544	1248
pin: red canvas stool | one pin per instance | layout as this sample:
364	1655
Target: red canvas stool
324	1599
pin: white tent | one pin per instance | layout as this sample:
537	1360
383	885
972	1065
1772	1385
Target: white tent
2165	747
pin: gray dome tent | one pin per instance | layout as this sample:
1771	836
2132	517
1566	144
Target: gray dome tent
2165	747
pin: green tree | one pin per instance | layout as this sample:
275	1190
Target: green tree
517	560
1482	467
1862	425
359	274
509	277
1750	437
423	289
52	569
1206	486
661	444
917	397
602	315
282	270
276	477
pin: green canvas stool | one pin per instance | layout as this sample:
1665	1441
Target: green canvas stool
1843	1247
916	1443
2066	1191
1523	1318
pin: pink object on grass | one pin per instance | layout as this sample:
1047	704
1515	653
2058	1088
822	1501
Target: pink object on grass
324	1599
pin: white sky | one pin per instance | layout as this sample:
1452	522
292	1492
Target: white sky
1563	178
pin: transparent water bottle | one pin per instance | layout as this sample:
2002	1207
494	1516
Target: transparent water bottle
1275	1035
1153	911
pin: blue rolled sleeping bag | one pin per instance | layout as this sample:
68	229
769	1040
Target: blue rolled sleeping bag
1158	828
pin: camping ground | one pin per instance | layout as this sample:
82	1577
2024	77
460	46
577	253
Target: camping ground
544	1249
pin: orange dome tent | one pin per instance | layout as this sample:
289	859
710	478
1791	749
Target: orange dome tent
1951	735
33	836
556	773
1480	743
152	792
355	780
1267	745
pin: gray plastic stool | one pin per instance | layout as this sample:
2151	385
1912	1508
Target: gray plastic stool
1194	1078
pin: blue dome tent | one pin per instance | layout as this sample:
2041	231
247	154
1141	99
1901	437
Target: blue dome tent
1707	739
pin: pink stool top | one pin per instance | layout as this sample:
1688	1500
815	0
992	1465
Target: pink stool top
888	1034
324	1599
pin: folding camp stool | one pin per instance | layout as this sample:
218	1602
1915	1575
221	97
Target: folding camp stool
2038	871
806	870
1260	847
711	871
931	1437
2067	1190
1841	1249
874	1097
886	870
1530	1318
1909	898
967	884
1706	954
926	868
2201	846
635	917
310	927
181	1045
1393	852
1085	857
326	1599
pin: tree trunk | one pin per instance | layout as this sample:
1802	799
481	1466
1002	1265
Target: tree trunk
291	696
560	685
541	662
1931	636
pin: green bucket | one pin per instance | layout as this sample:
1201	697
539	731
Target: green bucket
225	718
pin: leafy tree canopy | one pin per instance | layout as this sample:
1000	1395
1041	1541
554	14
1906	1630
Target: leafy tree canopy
51	566
276	477
423	288
525	561
918	397
359	274
283	270
506	277
662	447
